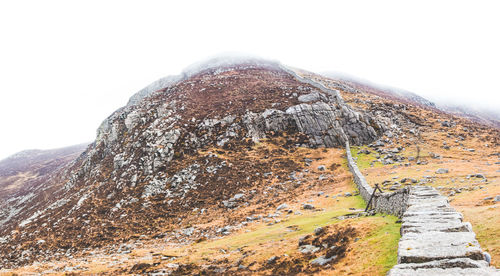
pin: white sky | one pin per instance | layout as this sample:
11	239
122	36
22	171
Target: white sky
66	65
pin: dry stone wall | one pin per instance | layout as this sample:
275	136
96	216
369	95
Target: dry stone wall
394	203
434	239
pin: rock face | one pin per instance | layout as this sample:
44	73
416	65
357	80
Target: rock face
145	160
319	121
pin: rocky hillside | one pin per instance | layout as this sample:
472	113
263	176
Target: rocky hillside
160	157
473	113
212	161
27	169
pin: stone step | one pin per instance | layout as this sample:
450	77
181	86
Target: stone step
438	202
425	208
420	187
432	214
434	225
462	266
432	219
446	263
424	194
423	191
486	271
437	197
435	245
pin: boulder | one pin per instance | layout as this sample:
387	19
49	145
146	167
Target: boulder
282	206
323	260
308	206
308	249
442	171
272	260
318	231
312	97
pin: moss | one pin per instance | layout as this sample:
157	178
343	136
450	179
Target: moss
363	160
305	224
376	253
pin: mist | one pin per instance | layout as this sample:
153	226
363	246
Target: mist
474	101
66	65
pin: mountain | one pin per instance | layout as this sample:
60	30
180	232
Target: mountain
32	166
472	113
223	168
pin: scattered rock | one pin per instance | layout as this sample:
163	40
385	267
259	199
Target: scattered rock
321	168
322	260
364	151
445	124
188	231
238	196
272	260
487	257
308	206
282	206
308	161
312	97
434	155
476	175
318	231
395	187
308	249
442	171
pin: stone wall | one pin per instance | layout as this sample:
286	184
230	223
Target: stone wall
394	203
365	190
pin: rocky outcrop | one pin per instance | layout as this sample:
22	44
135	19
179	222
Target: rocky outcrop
325	124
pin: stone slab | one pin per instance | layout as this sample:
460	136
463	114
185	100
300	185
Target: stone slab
430	226
434	245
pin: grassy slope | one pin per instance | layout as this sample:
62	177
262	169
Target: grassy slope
374	253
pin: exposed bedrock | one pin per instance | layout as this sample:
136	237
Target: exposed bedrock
325	124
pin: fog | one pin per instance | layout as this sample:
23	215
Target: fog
65	65
468	101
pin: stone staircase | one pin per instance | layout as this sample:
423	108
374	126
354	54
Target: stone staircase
435	240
